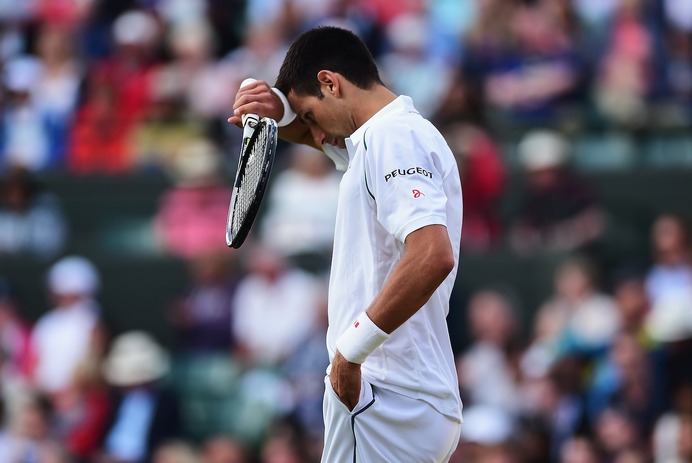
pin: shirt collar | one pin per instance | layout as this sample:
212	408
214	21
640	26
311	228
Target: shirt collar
401	103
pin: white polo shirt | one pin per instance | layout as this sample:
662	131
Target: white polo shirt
401	177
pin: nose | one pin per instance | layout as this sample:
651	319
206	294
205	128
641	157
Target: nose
319	136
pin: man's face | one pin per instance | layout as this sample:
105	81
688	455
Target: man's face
325	117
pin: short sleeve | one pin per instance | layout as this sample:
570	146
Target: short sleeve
404	174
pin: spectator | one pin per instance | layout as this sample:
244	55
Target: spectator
191	217
634	454
63	12
411	67
595	13
284	444
57	87
24	137
487	368
555	400
483	176
624	80
629	294
671	270
203	317
616	432
351	15
280	449
485	439
670	324
119	95
261	53
578	319
626	380
276	308
678	14
175	452
305	373
81	412
579	449
385	11
462	104
301	208
559	212
99	137
206	86
69	333
685	437
166	129
28	435
668	442
14	344
173	12
189	95
223	449
145	412
31	220
490	31
529	73
676	72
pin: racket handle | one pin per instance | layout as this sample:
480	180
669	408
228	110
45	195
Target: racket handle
249	120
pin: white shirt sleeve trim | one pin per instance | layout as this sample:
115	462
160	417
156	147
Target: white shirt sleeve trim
417	223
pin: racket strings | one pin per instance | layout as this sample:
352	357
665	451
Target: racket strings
253	172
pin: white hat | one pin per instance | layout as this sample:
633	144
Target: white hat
135	28
135	358
542	149
73	275
21	74
486	425
670	318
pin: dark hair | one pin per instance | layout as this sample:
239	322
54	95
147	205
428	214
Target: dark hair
330	48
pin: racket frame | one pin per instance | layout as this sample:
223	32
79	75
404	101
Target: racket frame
252	130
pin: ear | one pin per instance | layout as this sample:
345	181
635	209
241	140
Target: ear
329	81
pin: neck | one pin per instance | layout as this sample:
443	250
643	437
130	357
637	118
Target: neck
369	102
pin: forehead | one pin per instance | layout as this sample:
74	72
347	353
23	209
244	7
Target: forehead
301	103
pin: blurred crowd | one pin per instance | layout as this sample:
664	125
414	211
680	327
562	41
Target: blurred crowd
118	86
602	374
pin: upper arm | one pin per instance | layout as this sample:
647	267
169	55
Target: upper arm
430	246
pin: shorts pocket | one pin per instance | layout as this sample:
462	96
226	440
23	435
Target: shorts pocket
365	398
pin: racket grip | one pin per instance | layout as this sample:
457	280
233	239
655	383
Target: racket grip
249	120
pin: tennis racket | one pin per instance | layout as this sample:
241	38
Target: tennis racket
254	167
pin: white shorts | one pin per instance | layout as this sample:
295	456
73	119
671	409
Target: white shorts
385	427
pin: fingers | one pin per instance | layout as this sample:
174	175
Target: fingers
347	391
236	120
345	379
256	98
252	107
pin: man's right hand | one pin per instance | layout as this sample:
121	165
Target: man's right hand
256	98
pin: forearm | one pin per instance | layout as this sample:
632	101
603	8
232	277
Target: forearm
423	267
426	262
297	132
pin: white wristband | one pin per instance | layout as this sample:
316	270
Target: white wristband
360	339
289	115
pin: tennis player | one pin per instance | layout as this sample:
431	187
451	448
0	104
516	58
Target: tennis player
391	389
